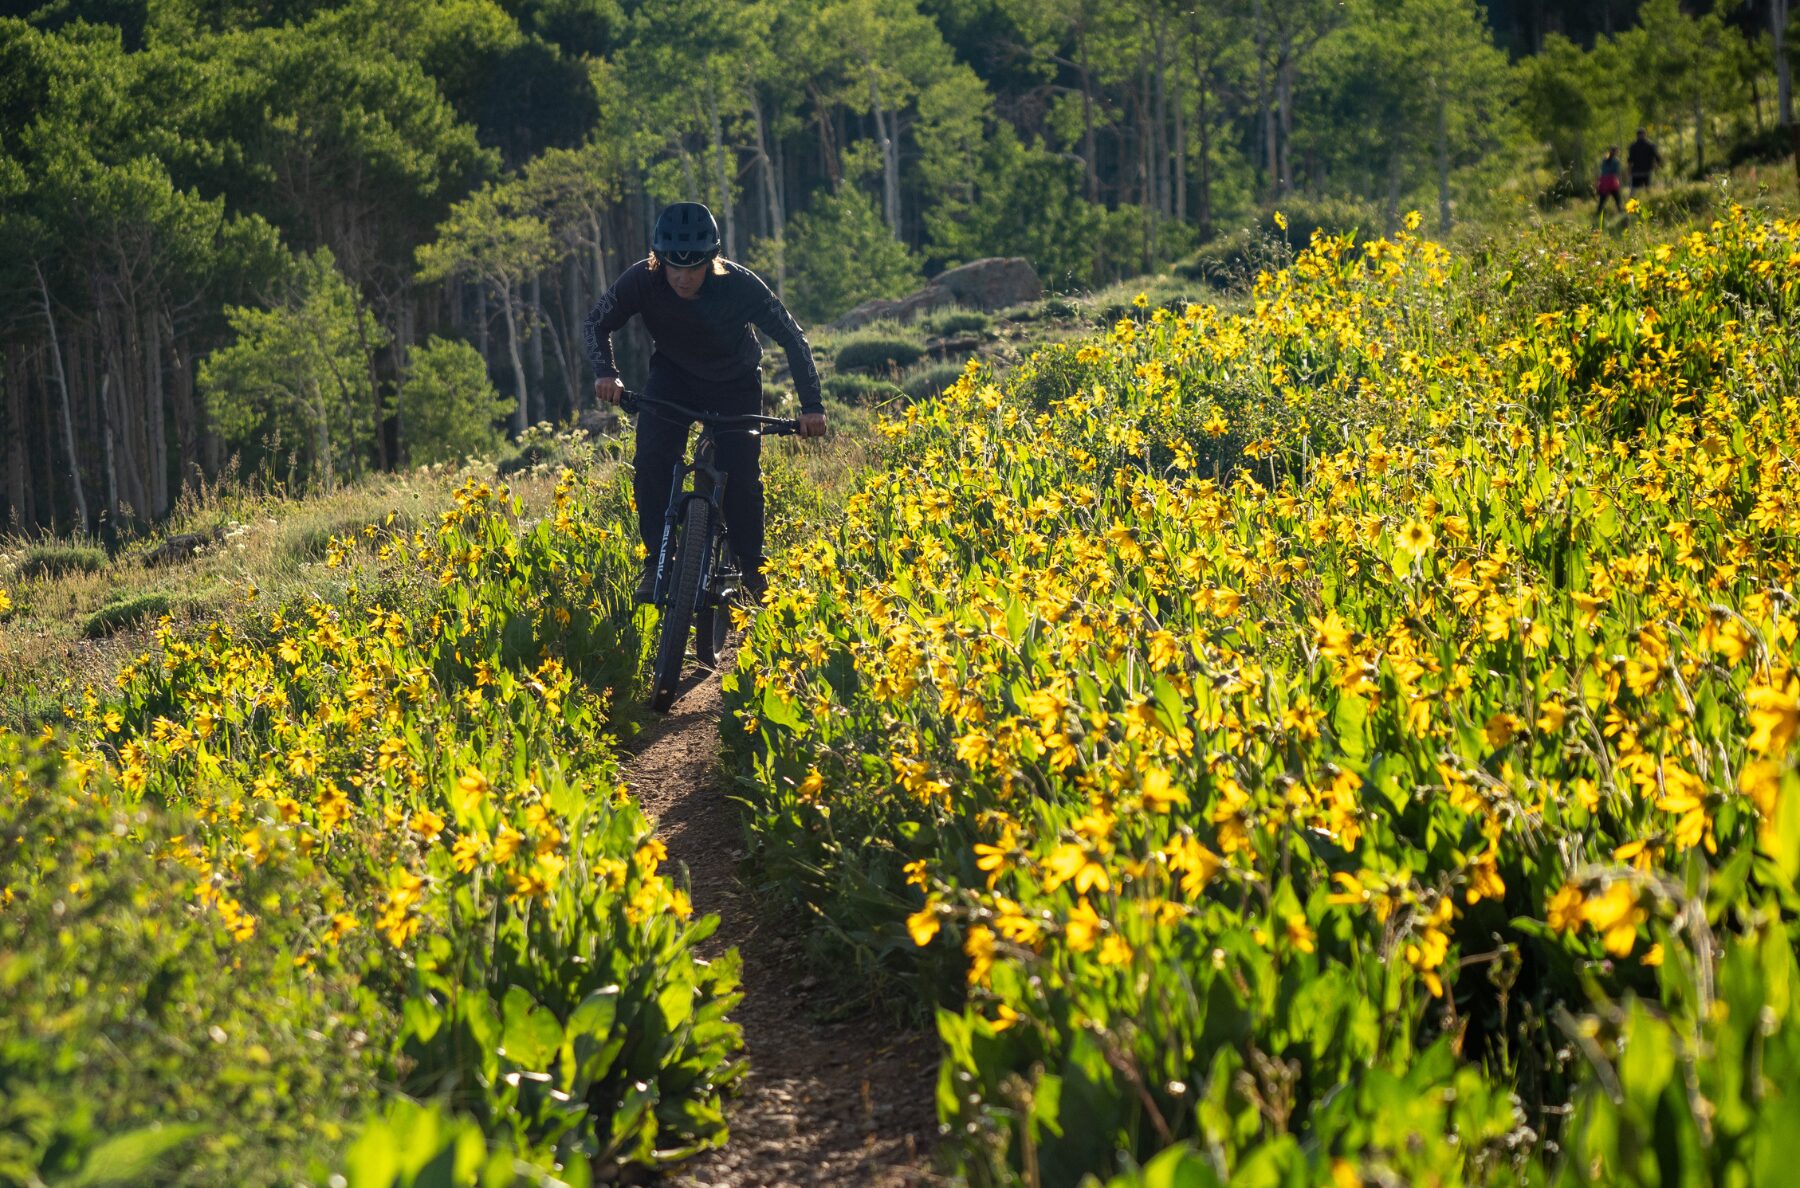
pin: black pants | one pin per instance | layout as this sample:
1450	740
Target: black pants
662	441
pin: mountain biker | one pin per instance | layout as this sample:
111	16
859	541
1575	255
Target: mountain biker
699	308
1643	157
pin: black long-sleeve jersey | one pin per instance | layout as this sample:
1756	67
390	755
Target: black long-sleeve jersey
708	336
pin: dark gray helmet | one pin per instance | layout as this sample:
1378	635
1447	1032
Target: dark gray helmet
686	235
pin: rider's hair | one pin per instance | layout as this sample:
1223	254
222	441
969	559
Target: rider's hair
718	264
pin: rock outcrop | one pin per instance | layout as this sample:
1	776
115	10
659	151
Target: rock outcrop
990	284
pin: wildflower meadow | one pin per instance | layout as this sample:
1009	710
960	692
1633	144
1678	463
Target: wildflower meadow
1345	737
1350	740
370	845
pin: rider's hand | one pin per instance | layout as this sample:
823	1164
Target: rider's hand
812	424
609	389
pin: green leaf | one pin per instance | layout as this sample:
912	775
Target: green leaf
132	1157
778	709
677	1003
1179	1167
531	1034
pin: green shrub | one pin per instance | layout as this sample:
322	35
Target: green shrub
931	379
55	560
859	389
1677	205
1230	259
1159	292
958	321
1050	309
310	540
122	614
877	354
1236	256
542	445
449	409
139	1033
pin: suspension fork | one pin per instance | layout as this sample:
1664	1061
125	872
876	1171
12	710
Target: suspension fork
679	496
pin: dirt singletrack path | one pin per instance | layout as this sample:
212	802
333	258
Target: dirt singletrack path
843	1102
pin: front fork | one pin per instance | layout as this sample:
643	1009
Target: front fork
678	501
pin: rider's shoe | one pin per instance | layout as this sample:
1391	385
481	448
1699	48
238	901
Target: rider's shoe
756	586
646	587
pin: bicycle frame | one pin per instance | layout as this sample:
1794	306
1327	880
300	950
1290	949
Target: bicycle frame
717	548
679	495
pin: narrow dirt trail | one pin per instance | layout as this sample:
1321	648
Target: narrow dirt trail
842	1102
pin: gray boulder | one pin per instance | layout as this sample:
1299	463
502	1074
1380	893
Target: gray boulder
990	284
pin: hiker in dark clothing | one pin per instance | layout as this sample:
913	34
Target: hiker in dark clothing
699	308
1607	184
1643	158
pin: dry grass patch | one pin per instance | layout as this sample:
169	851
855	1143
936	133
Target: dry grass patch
79	617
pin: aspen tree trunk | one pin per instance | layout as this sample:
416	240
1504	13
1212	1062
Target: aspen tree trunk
1181	137
14	434
365	317
481	322
1443	165
107	465
1393	190
1205	195
322	437
1164	190
572	372
828	159
1284	86
771	193
690	189
728	213
890	153
540	398
1149	184
62	383
778	156
599	282
47	450
1088	148
520	410
403	338
1265	95
1699	137
158	415
187	452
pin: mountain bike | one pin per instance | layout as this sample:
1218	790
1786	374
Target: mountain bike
697	578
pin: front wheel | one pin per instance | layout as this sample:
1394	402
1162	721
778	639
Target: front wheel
678	615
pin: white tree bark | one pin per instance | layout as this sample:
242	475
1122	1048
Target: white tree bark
890	155
62	383
509	303
1443	165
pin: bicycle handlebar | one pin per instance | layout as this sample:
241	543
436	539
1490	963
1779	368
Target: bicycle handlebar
633	402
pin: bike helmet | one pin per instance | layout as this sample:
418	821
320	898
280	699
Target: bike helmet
686	235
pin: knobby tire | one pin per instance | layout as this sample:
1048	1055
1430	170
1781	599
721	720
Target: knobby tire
678	615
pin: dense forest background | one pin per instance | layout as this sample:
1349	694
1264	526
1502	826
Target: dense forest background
298	239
